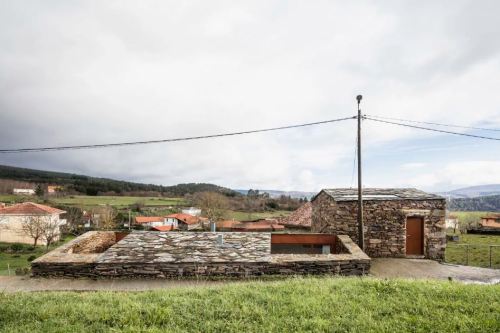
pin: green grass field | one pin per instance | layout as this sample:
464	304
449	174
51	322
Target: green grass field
478	255
244	216
291	305
13	260
117	201
87	201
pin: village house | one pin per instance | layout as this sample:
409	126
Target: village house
161	222
23	191
192	211
397	222
490	221
13	217
54	189
185	221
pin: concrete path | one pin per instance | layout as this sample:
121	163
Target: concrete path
430	269
23	283
381	268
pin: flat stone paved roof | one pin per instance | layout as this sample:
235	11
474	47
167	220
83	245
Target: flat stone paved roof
186	247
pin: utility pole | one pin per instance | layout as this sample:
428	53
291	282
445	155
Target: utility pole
361	234
129	220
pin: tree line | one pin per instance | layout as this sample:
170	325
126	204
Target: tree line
486	203
10	177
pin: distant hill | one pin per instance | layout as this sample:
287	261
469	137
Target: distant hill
95	186
277	194
486	203
473	191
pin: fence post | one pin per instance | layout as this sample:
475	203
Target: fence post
467	255
490	255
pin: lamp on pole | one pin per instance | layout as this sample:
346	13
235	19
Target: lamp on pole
361	236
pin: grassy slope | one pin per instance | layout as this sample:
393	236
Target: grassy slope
301	304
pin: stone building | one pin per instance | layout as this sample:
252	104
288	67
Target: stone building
397	222
201	254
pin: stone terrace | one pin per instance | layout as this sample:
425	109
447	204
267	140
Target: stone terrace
194	254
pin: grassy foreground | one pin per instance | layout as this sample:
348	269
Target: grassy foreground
297	304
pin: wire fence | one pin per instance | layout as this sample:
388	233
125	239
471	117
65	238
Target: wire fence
481	255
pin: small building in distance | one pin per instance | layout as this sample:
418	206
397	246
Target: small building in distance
451	221
185	221
157	221
23	191
398	222
192	211
13	217
54	189
490	221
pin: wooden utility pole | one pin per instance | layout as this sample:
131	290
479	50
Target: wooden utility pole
361	234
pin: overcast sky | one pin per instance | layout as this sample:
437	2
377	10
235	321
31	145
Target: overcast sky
84	72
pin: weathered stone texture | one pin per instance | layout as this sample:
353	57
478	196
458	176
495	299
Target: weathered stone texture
384	223
188	254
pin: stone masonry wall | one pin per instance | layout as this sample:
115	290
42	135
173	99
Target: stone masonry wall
384	223
177	255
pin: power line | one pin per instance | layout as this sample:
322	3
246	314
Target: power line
432	129
438	124
108	145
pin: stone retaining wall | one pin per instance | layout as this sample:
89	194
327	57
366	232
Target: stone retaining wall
142	255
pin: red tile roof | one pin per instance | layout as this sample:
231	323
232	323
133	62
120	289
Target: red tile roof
302	217
147	219
186	218
163	228
29	208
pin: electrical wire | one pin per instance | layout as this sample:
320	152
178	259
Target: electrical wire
438	124
432	129
108	145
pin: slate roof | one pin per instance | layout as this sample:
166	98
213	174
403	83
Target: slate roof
351	194
29	208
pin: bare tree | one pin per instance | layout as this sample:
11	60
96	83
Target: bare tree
50	231
33	227
107	217
74	219
213	205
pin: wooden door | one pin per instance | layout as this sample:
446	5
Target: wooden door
414	236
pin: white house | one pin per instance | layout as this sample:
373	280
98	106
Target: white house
156	221
13	217
23	191
192	211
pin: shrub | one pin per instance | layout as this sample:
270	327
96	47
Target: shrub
22	271
31	258
17	247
